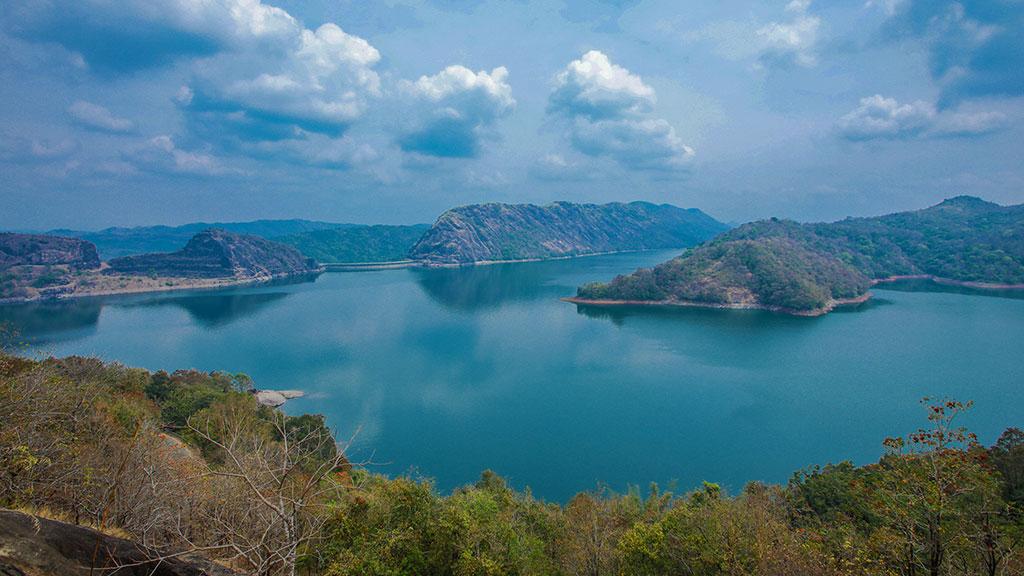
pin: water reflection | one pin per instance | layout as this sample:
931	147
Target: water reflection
214	310
57	320
476	288
65	320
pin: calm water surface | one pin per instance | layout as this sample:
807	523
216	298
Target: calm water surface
449	372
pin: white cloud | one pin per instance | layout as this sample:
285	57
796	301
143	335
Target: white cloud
605	109
775	43
595	87
454	110
160	154
878	117
317	81
794	40
96	117
642	144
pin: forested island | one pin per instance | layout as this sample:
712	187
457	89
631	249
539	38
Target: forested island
34	267
105	467
809	269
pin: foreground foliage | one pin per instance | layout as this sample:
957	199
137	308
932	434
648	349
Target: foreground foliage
187	461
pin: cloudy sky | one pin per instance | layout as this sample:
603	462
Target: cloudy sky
127	112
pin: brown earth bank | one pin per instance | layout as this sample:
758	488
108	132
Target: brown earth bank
46	267
832	305
35	546
947	282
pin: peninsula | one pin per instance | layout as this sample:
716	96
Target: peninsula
39	267
809	269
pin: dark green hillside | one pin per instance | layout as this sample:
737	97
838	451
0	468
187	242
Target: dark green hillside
116	242
803	267
357	243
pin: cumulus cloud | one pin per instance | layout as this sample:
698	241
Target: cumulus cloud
316	81
975	47
455	111
256	74
597	89
98	118
878	117
606	110
161	155
792	41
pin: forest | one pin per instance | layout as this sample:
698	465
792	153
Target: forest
188	463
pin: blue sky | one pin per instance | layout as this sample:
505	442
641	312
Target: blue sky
134	112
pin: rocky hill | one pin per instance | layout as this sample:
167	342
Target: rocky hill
808	268
36	266
495	232
40	250
219	254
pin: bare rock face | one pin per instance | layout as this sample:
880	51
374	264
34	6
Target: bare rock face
491	232
218	253
41	250
33	546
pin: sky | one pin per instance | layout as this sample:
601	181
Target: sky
134	112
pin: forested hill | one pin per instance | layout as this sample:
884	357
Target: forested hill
493	232
120	241
377	243
807	267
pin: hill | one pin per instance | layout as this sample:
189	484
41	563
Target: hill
495	232
350	244
33	265
218	253
119	241
809	268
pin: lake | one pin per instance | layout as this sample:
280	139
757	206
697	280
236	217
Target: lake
447	372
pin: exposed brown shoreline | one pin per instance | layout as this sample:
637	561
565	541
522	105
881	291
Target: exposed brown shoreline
149	285
947	282
832	305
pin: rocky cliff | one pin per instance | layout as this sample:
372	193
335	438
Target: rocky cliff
492	232
218	253
40	250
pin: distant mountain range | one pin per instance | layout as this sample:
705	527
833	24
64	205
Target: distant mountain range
357	243
497	232
118	241
810	268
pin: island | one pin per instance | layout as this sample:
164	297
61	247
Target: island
810	269
494	232
39	267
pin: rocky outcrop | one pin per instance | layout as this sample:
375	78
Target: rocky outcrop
34	546
495	232
42	250
218	253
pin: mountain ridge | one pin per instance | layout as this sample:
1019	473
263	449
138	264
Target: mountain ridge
496	231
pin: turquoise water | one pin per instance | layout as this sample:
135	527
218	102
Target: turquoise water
445	373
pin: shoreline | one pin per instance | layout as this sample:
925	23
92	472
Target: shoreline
187	284
832	305
947	282
428	264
